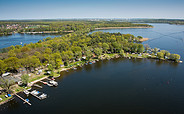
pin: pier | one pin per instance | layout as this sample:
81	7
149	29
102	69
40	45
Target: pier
46	83
36	93
36	96
36	85
25	101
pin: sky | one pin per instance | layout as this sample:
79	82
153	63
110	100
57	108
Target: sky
62	9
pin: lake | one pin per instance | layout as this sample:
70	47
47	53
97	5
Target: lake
119	85
21	39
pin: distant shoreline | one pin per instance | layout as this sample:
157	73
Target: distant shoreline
45	32
119	28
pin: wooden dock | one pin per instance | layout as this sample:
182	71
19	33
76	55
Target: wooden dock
23	99
35	96
36	85
48	78
46	83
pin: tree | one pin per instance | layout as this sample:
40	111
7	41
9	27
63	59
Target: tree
166	53
105	47
116	46
160	55
50	67
140	37
46	58
98	52
58	63
67	55
24	49
78	54
34	62
140	48
11	53
122	54
30	62
134	48
25	79
88	54
175	57
76	49
25	63
155	50
6	84
3	67
12	63
48	51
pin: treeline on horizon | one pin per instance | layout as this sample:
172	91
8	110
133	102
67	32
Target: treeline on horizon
169	21
60	26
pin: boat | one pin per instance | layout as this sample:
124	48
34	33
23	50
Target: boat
74	68
43	96
27	100
26	92
54	83
34	92
90	63
93	61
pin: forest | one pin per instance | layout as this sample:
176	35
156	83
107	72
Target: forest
169	21
7	28
72	47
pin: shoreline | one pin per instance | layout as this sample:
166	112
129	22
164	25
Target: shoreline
101	57
35	81
143	39
102	28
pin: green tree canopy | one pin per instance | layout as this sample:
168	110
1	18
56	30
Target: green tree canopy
25	79
98	51
3	67
12	63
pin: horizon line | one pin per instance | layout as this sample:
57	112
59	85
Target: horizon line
113	18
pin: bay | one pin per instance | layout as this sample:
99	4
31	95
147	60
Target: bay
21	39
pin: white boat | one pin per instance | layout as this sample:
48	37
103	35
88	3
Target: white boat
34	92
53	83
74	68
43	96
26	92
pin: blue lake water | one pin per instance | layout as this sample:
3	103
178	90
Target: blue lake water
142	86
21	39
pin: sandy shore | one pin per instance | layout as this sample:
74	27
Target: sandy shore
119	28
144	39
